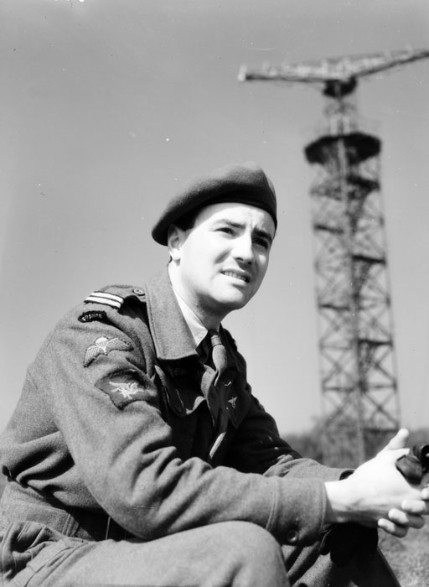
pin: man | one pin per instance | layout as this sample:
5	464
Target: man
137	454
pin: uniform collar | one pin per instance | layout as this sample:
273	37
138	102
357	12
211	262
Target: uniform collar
172	336
197	328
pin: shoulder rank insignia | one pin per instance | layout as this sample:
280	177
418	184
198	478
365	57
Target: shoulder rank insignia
103	346
125	387
108	299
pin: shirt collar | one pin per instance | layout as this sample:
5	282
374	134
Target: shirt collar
197	328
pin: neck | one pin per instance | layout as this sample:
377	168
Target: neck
209	320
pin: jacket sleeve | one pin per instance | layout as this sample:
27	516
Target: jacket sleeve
258	448
105	403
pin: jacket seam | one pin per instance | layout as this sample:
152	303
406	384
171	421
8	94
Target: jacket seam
272	516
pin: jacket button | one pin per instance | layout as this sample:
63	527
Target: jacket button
292	536
138	291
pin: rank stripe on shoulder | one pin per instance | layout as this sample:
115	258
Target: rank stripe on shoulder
101	297
106	302
105	294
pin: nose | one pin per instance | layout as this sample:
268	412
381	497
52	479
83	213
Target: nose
243	249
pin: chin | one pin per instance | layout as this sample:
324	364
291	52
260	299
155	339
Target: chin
235	304
230	299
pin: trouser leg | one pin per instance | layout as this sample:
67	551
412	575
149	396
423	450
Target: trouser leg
307	568
236	554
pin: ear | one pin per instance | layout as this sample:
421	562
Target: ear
175	239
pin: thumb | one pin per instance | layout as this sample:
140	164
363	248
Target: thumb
398	441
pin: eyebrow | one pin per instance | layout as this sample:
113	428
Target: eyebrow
257	231
264	234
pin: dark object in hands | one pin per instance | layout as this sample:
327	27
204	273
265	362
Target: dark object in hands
344	541
415	464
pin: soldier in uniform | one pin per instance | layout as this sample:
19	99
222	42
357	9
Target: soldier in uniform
138	454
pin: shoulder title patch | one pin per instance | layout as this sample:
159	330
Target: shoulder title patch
124	387
92	316
103	346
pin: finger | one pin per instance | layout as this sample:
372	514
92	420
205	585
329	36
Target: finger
425	493
416	522
402	518
398	441
392	528
415	506
393	454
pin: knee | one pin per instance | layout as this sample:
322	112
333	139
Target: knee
250	535
248	541
254	555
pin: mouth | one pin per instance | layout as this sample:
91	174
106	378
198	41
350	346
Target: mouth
240	275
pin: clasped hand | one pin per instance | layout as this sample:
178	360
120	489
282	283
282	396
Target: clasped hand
377	494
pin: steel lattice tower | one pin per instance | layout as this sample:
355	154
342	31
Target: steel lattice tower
357	361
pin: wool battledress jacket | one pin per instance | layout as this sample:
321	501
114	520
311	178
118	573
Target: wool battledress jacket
115	423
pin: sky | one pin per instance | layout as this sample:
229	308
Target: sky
108	106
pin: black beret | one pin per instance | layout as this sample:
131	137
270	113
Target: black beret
245	183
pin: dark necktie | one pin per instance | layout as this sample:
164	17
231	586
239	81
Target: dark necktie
218	354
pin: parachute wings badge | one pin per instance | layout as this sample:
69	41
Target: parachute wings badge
103	346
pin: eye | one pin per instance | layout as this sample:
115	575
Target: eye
226	229
262	242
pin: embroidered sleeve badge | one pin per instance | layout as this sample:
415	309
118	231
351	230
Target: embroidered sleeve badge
103	346
125	387
92	316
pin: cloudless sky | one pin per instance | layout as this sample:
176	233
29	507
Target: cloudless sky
108	106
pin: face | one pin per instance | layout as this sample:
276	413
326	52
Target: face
218	264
